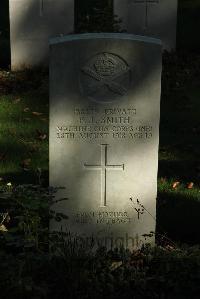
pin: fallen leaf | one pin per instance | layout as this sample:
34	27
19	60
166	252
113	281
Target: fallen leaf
175	185
41	135
3	228
37	113
26	109
190	185
115	265
27	162
17	101
170	248
44	119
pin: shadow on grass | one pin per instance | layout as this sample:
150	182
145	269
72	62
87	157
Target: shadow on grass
178	217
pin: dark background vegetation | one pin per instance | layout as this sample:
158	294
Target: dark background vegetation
4	34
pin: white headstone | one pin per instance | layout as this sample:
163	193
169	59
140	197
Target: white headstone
104	132
155	18
32	23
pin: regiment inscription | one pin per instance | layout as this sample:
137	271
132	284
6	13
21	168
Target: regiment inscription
104	123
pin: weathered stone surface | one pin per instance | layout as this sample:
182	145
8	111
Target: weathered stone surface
155	18
32	23
104	133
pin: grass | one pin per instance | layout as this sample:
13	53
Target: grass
24	127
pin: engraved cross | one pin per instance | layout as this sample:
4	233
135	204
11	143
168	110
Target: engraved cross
104	167
147	3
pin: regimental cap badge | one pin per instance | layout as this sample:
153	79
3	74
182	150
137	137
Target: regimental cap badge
108	65
105	77
105	65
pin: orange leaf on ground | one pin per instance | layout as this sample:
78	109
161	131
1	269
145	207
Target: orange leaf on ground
190	185
175	185
44	119
37	113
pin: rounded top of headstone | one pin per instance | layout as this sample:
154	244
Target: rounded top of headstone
119	36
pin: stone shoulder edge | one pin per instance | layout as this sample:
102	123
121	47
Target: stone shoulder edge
88	36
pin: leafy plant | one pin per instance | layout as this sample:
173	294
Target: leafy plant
27	207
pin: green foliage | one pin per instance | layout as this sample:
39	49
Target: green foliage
97	16
27	217
151	273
